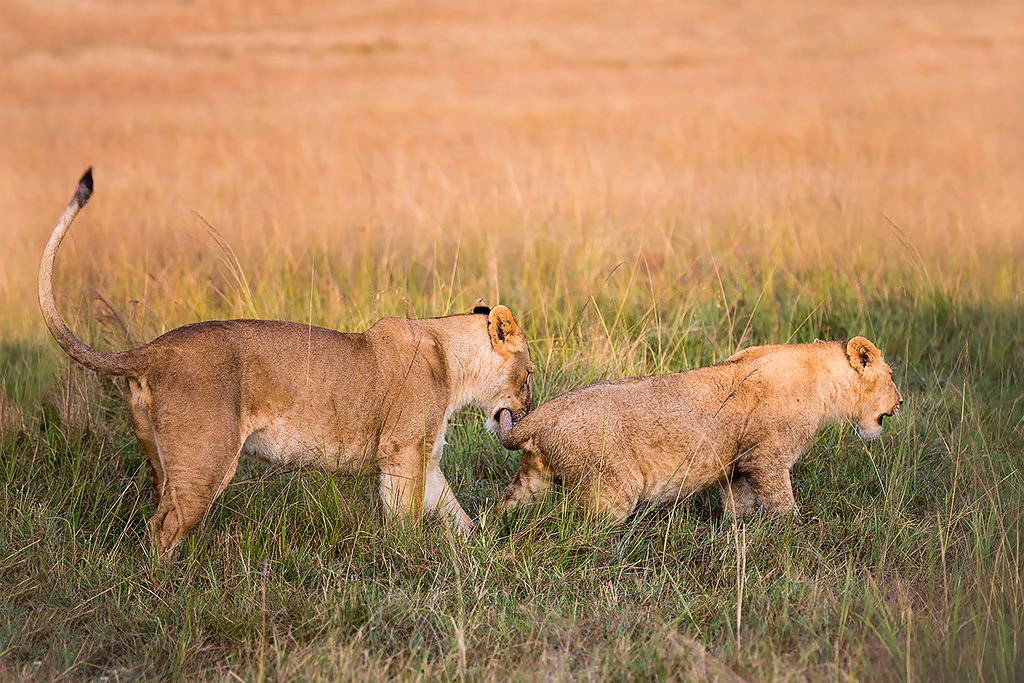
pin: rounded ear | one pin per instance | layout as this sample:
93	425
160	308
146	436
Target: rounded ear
862	353
502	327
480	306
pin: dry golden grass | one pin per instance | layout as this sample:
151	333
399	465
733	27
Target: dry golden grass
378	133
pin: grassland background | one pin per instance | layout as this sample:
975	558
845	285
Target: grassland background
649	188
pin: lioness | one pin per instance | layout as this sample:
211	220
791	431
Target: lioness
300	395
741	423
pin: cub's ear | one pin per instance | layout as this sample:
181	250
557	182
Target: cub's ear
481	307
862	353
502	328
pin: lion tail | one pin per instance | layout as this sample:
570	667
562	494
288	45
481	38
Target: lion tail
512	437
124	363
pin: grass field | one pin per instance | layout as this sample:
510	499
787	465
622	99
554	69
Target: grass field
649	189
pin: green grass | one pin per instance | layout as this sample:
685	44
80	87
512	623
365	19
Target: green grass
905	561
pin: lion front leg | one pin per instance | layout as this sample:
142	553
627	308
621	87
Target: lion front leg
439	497
532	482
775	490
412	485
402	479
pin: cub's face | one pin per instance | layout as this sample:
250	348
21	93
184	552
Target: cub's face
877	396
509	381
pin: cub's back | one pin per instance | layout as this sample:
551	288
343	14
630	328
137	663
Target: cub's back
657	401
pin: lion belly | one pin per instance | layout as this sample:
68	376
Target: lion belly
286	443
670	478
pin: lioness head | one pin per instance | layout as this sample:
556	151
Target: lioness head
876	396
509	383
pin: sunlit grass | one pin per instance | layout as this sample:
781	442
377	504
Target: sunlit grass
648	193
906	555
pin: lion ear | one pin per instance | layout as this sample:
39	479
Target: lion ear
480	306
862	353
502	327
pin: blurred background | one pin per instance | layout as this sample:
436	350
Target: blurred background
387	149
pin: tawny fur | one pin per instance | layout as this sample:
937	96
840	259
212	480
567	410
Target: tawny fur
741	424
298	395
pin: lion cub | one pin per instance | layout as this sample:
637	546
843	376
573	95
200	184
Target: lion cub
741	423
299	395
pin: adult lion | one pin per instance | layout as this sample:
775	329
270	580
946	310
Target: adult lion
299	395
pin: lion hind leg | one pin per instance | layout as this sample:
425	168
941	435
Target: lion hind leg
610	500
139	402
199	457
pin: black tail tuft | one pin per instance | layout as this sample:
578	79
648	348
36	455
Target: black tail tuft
84	190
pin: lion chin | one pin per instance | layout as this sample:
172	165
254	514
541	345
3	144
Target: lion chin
871	434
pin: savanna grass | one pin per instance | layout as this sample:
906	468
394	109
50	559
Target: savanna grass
649	189
904	562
